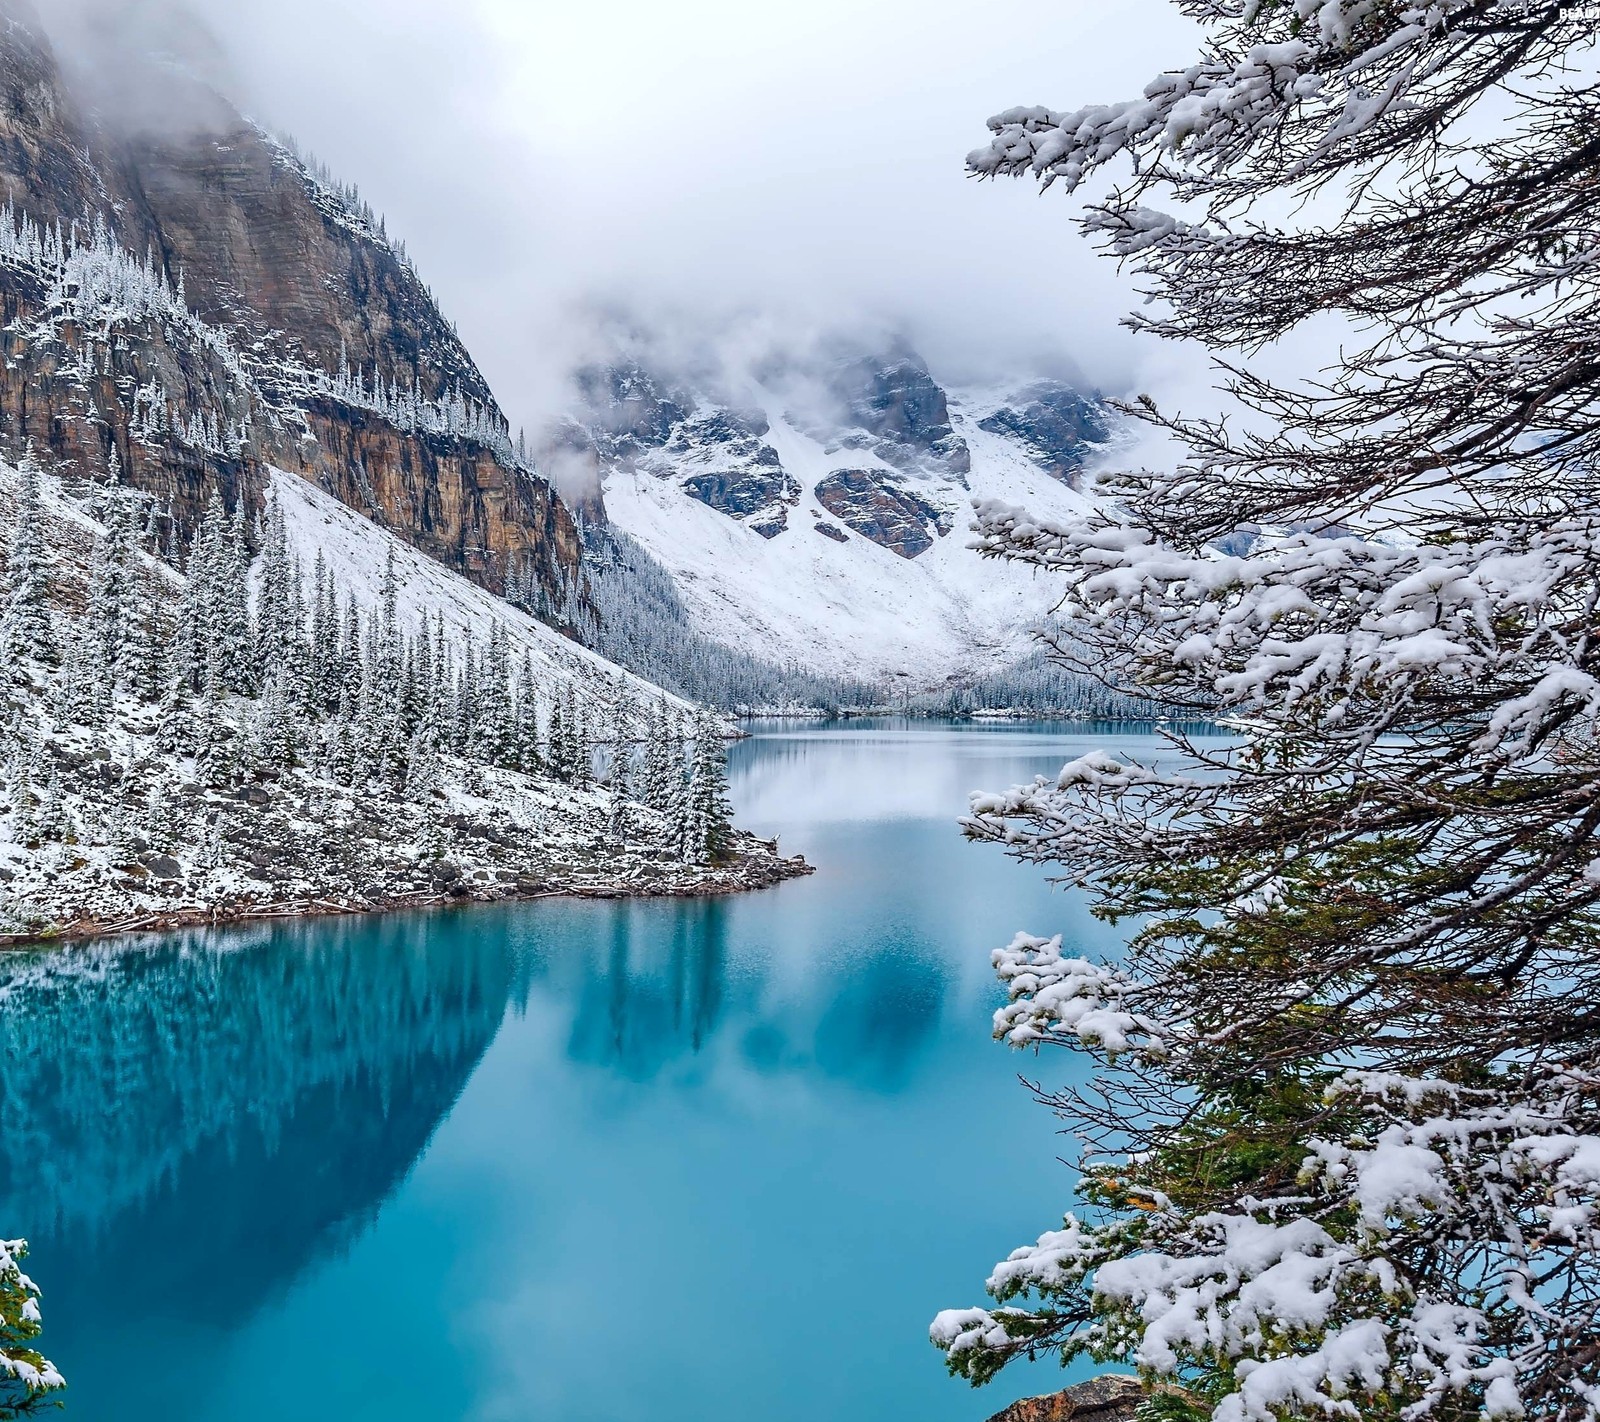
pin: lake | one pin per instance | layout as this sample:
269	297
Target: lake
560	1161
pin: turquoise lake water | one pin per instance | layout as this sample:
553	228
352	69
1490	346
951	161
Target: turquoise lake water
562	1161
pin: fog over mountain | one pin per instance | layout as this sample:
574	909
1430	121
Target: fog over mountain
703	161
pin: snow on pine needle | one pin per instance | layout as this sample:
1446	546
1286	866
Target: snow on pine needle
1360	1176
28	1380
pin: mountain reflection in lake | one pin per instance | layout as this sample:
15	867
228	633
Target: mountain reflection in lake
585	1162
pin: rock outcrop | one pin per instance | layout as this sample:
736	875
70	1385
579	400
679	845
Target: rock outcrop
879	505
1107	1399
1058	426
184	304
717	454
895	408
745	479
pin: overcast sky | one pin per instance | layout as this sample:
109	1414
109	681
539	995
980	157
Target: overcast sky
803	157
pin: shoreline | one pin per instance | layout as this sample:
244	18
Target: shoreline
876	713
750	873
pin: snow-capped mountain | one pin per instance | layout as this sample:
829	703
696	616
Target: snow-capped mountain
813	511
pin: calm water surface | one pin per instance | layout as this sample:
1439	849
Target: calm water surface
558	1162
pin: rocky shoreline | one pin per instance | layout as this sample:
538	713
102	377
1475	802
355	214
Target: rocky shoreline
755	865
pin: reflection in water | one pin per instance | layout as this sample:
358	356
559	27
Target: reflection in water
254	1096
654	995
374	1142
250	1098
660	989
882	1010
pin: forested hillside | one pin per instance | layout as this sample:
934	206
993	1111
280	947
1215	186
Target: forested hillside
250	736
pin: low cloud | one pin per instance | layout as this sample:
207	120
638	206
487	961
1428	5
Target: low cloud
713	162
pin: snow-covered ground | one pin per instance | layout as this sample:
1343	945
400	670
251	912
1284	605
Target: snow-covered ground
853	608
156	807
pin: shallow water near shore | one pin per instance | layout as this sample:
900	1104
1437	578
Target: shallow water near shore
665	1161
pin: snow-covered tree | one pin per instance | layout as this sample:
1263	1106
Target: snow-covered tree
276	628
1344	1142
683	825
28	629
558	760
111	604
423	769
580	752
709	813
663	768
28	1380
529	755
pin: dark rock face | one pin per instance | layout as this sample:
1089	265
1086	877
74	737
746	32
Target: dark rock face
451	499
720	456
746	479
1108	1399
628	412
1056	424
877	505
292	281
759	498
737	436
827	530
903	409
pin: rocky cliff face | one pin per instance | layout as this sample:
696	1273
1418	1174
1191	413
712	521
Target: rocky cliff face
1056	425
634	421
186	304
880	506
893	407
899	466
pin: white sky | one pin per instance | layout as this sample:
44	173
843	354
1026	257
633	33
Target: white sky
803	157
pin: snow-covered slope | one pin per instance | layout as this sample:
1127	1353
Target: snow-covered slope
828	528
850	607
150	777
357	553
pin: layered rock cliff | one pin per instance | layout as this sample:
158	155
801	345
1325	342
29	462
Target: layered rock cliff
184	302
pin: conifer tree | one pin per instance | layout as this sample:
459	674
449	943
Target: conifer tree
530	758
198	624
423	768
160	821
619	776
559	765
274	628
1339	1144
710	814
580	754
493	737
683	828
77	698
29	634
661	776
387	631
143	658
24	803
28	1380
617	816
350	658
212	748
296	645
53	825
325	669
230	613
110	612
